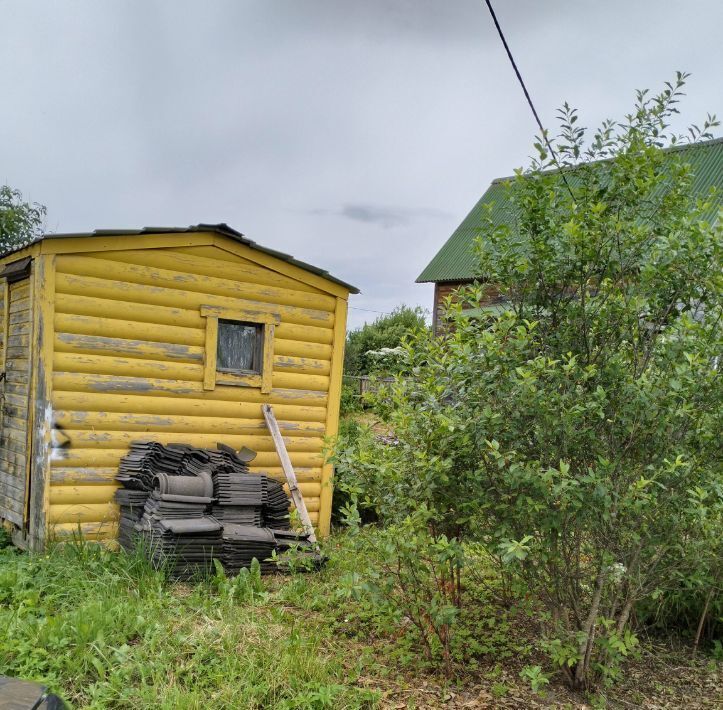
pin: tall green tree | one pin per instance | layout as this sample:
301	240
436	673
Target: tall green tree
387	331
577	435
20	222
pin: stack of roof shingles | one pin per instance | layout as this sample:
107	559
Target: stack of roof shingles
238	498
188	506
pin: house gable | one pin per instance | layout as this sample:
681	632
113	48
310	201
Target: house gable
456	260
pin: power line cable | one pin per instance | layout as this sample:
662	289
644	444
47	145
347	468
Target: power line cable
369	310
527	96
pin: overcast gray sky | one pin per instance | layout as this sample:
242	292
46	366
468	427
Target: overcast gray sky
354	134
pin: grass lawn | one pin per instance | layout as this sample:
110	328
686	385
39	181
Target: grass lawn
104	630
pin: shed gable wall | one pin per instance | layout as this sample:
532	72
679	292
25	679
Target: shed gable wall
128	352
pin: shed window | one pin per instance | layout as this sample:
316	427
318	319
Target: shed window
240	347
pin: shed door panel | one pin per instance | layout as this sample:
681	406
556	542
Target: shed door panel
15	391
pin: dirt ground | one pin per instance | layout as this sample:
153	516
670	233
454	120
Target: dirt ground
660	679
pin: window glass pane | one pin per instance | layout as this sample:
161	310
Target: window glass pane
239	346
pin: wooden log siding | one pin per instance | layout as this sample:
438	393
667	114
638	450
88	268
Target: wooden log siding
128	354
14	421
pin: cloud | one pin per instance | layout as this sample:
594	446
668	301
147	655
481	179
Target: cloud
354	135
382	216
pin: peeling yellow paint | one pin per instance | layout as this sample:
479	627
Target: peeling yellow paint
85	531
62	495
126	421
184	406
332	413
125	362
145	274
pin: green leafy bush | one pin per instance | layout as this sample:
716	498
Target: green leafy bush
351	430
20	222
413	580
351	399
387	331
575	435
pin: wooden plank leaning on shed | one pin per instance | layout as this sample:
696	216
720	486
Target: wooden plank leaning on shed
288	471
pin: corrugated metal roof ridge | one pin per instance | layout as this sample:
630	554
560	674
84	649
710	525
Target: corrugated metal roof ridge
680	147
455	260
220	228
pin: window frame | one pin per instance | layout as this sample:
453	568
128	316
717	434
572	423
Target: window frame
212	376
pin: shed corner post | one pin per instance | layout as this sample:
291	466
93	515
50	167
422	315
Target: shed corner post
41	392
332	412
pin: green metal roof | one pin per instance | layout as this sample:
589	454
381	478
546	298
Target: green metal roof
455	261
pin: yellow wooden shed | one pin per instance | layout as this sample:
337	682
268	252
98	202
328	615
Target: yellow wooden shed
170	335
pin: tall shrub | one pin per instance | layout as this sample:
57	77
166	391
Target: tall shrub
577	434
387	331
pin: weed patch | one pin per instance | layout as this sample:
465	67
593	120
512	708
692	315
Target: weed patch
104	630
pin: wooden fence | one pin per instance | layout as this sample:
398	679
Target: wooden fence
365	384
